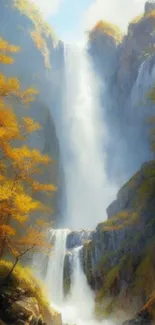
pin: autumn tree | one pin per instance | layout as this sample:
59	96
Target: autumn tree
34	240
19	164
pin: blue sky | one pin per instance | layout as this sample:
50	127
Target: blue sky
70	18
68	21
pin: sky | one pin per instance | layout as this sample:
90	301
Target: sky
72	18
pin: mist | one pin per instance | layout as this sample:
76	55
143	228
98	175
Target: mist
87	190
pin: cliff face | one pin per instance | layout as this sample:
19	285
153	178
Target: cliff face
39	64
127	72
119	255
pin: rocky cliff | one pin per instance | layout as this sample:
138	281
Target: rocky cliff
118	256
39	64
120	253
125	65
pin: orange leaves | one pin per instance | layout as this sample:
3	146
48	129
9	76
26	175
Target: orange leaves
5	59
18	168
21	218
9	128
11	87
5	191
25	204
30	125
38	40
8	86
28	95
5	48
107	28
43	187
26	160
6	230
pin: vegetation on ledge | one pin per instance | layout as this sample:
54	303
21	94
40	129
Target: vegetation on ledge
108	29
42	31
142	17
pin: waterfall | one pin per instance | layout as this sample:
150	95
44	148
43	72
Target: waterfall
54	277
79	305
87	190
83	133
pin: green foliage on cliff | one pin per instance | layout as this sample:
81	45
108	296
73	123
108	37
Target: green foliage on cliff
108	29
120	221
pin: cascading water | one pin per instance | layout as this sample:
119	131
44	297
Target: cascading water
79	305
87	190
54	277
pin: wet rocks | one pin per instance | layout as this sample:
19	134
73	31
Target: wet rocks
77	238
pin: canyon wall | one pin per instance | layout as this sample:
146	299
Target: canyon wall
40	64
125	65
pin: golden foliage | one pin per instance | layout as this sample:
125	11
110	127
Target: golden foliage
136	19
18	169
6	229
41	44
39	41
30	125
5	47
43	187
107	28
150	14
11	87
42	31
30	10
141	17
121	220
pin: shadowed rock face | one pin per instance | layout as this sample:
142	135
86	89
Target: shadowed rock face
127	72
149	6
77	238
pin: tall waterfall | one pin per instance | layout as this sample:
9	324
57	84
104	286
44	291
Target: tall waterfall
83	135
87	190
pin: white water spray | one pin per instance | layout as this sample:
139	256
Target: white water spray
87	190
79	305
